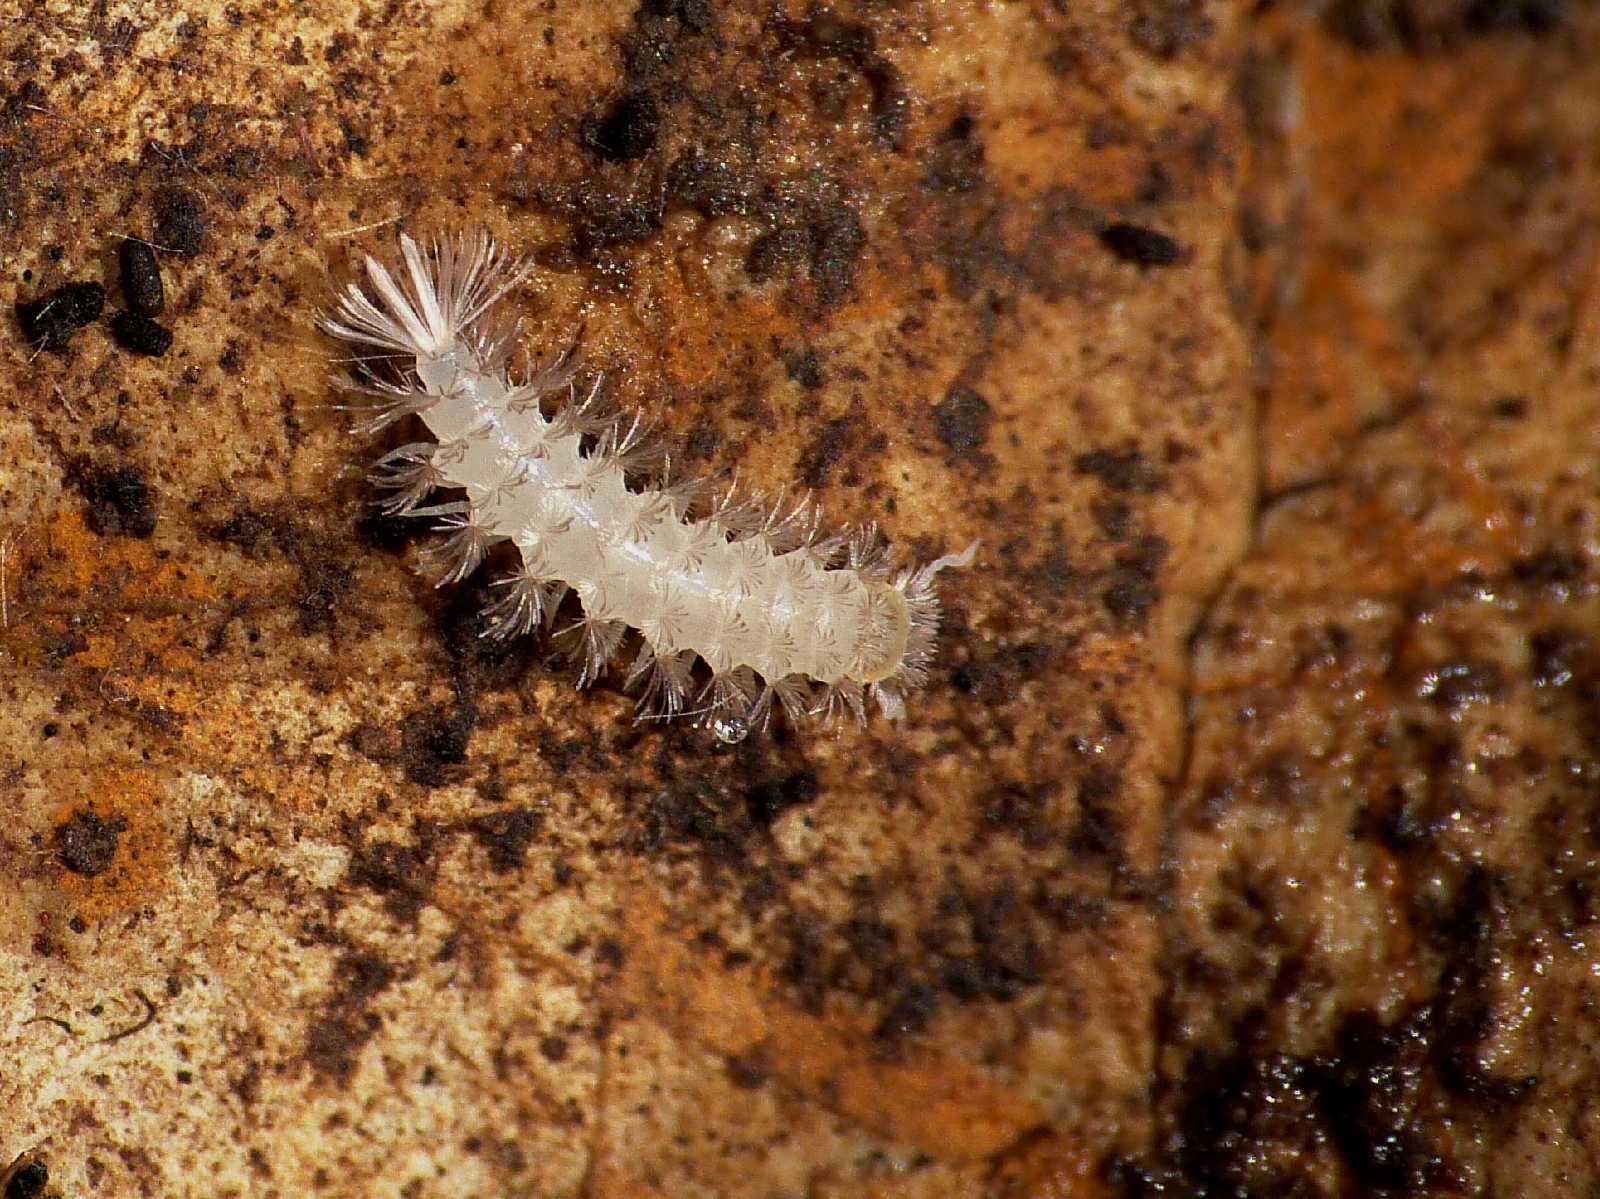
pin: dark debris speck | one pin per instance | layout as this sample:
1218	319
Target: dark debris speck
136	332
805	368
180	222
87	843
433	741
962	420
827	449
1140	245
49	322
119	498
628	130
1119	470
506	836
28	1181
554	1049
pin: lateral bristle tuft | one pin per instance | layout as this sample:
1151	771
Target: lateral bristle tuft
889	698
662	682
526	602
839	700
408	473
588	413
726	703
866	551
600	641
791	524
460	553
794	693
735	511
395	402
687	495
639	452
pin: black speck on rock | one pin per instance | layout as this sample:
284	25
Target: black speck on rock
997	677
1552	569
1166	28
479	662
506	836
909	1014
613	225
748	1071
20	104
768	799
693	814
1371	1094
554	1049
830	244
334	1039
962	420
141	277
1140	245
29	1181
774	251
44	327
433	741
49	322
1467	1010
956	162
119	499
805	368
1456	686
1098	831
1113	516
180	222
1133	586
628	130
837	242
1119	470
1558	655
87	844
826	35
1516	16
402	873
81	302
1422	28
389	533
137	332
324	582
1252	1127
826	451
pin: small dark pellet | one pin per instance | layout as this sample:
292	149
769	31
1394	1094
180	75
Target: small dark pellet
141	277
1139	245
139	333
82	302
44	324
50	321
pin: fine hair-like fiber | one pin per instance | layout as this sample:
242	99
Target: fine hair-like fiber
702	569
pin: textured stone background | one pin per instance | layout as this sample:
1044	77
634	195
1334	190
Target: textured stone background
307	890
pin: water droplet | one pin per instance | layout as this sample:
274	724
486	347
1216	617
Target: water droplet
730	730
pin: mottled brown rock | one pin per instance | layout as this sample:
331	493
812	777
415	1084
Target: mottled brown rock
397	909
1383	951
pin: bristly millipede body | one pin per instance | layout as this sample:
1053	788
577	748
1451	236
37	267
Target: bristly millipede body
774	608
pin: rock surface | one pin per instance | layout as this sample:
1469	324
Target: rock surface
307	889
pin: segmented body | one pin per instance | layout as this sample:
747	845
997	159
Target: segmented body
774	609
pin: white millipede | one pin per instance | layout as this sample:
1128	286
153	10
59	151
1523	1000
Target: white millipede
696	569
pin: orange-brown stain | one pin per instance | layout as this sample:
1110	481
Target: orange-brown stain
140	869
940	1106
